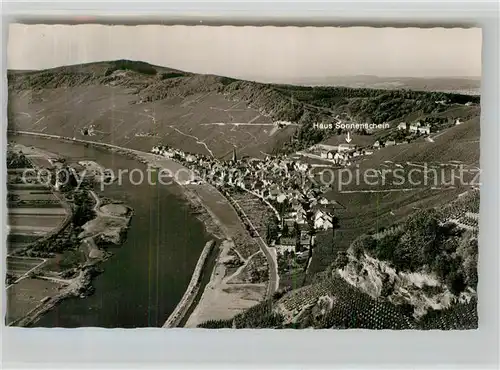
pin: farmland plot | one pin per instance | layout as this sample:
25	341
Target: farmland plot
30	230
39	161
21	265
29	195
27	295
35	221
37	211
20	239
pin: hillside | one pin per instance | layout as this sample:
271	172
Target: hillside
418	274
139	105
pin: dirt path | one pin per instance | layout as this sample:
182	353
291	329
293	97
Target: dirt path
221	300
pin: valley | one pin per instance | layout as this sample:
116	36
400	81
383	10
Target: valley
271	187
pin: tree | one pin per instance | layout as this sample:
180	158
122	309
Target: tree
341	261
456	282
83	208
272	229
362	244
420	243
285	230
470	270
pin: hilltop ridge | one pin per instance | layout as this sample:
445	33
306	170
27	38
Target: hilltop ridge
189	108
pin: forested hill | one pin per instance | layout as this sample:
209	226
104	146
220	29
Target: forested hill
149	84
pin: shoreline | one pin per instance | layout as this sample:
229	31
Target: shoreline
192	290
211	221
79	286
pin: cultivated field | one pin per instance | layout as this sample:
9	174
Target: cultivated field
20	238
27	295
42	221
207	123
19	266
29	195
36	211
39	161
255	209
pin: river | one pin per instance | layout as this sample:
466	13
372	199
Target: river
147	275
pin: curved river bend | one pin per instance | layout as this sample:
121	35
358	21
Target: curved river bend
147	275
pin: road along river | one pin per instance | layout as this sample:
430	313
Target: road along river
147	276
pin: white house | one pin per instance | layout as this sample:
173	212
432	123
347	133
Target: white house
425	130
414	127
287	244
281	198
458	122
322	220
376	145
346	147
323	200
390	143
402	126
301	217
302	167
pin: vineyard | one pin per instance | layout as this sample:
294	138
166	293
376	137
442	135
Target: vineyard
255	209
464	210
462	316
335	304
351	309
259	316
217	324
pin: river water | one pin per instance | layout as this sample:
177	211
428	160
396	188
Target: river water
147	275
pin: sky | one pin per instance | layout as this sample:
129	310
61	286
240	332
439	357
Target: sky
277	54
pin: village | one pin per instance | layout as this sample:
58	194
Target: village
286	185
344	154
282	184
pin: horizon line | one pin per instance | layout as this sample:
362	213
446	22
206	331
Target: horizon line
238	77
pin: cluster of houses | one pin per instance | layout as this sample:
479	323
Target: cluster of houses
414	128
300	223
341	154
282	183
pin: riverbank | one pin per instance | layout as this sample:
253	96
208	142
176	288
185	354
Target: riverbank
106	226
220	219
192	290
79	287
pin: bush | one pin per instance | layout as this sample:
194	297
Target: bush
167	75
140	67
216	324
